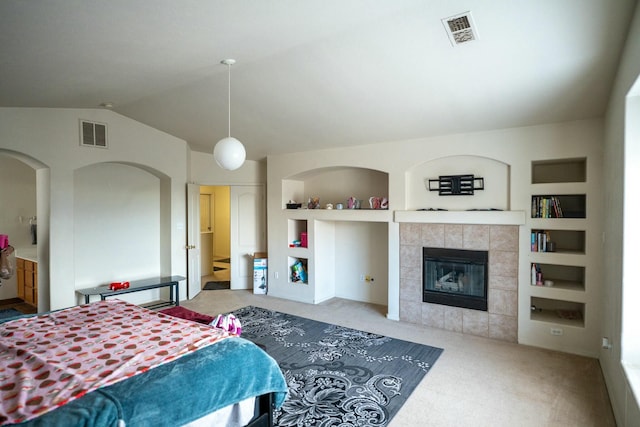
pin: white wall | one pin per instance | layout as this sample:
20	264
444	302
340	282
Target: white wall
203	170
625	404
630	342
495	195
369	241
49	138
116	226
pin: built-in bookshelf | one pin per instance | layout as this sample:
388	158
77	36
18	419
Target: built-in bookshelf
559	284
298	251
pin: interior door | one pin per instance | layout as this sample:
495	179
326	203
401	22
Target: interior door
248	232
193	241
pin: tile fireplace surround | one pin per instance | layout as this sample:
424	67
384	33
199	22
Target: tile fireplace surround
501	319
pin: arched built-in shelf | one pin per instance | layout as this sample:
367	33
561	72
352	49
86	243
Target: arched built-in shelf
335	185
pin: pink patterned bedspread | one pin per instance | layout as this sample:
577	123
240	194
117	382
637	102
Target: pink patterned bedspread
49	360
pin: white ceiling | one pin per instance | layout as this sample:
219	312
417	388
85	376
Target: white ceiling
313	73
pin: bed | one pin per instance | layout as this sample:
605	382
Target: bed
112	363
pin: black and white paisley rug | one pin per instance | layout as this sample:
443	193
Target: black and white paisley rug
337	376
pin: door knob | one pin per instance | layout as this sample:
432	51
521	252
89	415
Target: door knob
190	247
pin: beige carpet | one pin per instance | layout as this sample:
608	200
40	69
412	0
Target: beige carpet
476	381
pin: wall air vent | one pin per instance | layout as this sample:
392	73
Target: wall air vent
93	134
460	28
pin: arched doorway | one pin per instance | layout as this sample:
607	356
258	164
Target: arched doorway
24	216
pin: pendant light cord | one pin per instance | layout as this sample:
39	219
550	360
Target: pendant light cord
229	92
229	63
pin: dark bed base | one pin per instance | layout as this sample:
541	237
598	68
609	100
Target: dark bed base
263	412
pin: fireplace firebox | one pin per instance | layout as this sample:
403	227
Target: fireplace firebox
455	277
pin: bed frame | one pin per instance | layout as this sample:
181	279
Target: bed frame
263	412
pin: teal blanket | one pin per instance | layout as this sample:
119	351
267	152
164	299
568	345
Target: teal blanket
178	392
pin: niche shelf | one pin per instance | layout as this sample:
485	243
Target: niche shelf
559	170
564	241
567	277
335	185
559	206
295	274
557	311
296	232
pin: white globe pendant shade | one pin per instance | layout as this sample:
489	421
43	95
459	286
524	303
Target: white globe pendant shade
229	153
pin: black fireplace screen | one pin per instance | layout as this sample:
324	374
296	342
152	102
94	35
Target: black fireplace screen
455	277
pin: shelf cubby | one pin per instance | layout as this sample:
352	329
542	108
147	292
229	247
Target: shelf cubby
559	170
558	206
297	278
569	277
564	241
296	230
557	311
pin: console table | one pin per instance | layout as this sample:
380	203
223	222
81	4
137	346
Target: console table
140	285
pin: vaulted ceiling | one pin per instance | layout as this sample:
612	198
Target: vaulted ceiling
314	74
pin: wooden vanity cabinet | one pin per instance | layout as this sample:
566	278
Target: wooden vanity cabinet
27	281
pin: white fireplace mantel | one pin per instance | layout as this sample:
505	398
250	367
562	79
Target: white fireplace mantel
461	217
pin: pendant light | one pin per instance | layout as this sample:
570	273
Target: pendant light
229	152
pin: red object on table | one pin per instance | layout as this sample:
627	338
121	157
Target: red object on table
114	286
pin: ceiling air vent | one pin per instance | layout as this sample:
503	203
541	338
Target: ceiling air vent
460	28
93	134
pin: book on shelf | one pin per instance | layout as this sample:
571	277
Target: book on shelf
546	207
539	240
534	245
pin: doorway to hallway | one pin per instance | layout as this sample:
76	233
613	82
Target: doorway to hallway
215	232
244	235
